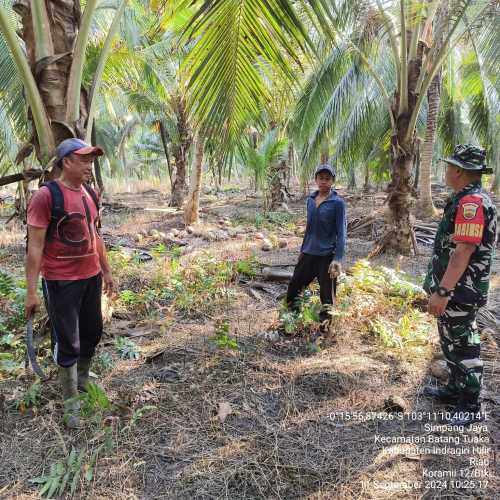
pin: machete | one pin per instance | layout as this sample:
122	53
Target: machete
30	349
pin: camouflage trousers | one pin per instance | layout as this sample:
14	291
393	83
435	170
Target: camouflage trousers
460	342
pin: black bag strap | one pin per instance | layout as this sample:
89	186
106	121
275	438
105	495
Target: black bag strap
93	195
57	211
95	198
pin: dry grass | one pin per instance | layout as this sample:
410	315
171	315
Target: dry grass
280	441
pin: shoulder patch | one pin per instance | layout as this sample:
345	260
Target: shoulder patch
469	210
469	220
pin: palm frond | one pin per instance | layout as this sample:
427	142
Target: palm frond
235	42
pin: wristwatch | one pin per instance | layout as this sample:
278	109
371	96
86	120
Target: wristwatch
444	292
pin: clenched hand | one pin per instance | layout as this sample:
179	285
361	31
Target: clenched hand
334	269
31	304
108	282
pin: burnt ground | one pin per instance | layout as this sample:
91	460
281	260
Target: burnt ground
303	423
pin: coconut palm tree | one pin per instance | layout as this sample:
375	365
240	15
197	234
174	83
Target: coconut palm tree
49	59
263	159
237	41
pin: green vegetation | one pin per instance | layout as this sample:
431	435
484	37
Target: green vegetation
375	299
12	293
388	302
63	476
163	285
30	398
222	338
94	402
247	267
304	322
126	348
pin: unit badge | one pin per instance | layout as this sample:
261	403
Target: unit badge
469	210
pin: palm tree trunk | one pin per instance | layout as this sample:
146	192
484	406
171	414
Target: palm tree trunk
97	165
495	183
425	206
403	153
53	70
191	211
276	185
164	141
180	152
352	178
366	185
398	238
291	164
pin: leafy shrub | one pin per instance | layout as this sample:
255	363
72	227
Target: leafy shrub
306	320
127	349
222	338
247	267
31	398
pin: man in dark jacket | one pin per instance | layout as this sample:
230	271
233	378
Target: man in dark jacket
322	250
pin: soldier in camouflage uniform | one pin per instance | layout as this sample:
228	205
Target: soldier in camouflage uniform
458	280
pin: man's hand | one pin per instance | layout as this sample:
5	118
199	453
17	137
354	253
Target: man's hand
437	305
31	304
334	269
109	286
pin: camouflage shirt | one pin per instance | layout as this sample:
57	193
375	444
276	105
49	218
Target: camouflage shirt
469	216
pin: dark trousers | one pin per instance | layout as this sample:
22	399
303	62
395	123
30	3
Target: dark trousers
74	309
460	342
308	268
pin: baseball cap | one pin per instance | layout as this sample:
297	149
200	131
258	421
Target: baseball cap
468	157
325	168
76	146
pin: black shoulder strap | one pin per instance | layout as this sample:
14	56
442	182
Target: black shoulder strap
57	200
57	212
93	195
95	199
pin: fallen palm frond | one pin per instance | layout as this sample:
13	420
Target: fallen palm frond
382	302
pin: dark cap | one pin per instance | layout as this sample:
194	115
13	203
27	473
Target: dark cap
325	168
470	158
76	146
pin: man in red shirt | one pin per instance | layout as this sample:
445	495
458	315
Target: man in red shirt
70	255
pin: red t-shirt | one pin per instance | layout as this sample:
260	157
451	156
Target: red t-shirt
71	252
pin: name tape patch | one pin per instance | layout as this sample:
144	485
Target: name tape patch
469	221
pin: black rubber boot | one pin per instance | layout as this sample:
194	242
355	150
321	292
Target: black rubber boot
443	394
68	379
83	373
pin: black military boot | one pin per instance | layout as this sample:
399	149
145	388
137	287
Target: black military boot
444	394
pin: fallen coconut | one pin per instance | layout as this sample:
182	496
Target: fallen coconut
266	245
259	236
282	243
